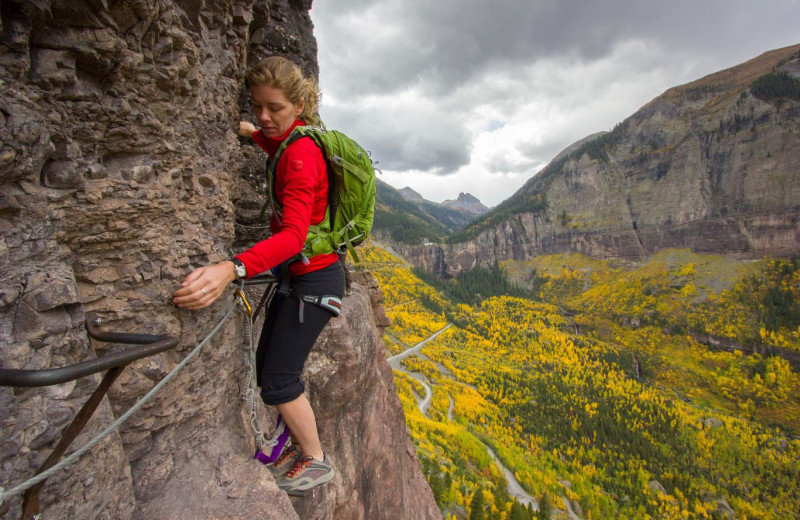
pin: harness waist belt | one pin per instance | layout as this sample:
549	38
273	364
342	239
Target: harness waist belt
331	303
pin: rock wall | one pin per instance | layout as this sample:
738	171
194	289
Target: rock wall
707	166
120	171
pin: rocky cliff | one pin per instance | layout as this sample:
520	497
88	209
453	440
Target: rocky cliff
713	165
120	171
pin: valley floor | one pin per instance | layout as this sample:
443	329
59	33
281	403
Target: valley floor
593	414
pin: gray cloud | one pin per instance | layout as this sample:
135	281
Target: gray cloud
444	43
408	138
422	82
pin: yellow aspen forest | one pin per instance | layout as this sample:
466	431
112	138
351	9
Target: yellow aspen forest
599	390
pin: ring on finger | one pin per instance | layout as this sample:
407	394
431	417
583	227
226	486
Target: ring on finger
203	290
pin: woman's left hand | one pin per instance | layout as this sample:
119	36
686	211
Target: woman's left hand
204	285
246	129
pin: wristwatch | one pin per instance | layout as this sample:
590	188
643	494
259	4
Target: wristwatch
239	268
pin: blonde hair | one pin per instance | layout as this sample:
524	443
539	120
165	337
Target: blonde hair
278	72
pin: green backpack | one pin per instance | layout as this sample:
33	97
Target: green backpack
351	191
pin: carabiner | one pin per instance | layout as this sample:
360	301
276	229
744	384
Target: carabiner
243	299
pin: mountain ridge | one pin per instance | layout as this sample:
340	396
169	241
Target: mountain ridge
468	203
405	216
712	165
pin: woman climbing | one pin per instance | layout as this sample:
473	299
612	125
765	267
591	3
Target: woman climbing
283	98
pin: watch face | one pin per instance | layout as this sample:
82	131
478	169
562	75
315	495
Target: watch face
239	268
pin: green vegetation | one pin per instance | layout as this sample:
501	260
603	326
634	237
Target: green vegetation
403	221
405	228
601	392
412	223
520	202
776	86
475	285
776	295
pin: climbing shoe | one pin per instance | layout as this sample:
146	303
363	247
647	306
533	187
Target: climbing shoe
306	474
285	462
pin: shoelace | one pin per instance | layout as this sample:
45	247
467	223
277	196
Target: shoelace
299	466
285	455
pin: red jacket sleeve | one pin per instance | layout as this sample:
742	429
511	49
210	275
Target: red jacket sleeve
297	183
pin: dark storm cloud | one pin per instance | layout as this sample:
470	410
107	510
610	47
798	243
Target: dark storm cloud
442	44
493	89
409	140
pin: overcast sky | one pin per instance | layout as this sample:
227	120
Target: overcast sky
478	95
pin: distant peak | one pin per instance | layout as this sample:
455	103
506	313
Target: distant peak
410	194
467	202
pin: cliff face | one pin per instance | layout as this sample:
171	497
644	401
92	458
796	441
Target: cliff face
708	166
120	171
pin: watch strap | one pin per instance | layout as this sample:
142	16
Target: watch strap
240	269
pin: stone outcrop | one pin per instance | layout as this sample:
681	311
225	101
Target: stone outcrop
410	195
120	172
466	203
708	166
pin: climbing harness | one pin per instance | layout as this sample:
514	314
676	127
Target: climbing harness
269	449
328	302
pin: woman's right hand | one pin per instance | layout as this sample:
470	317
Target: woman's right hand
246	129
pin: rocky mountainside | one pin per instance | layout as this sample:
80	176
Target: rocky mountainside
713	165
121	171
405	216
398	219
466	203
410	195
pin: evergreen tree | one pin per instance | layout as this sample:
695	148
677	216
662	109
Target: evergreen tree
477	506
518	512
501	495
436	482
545	508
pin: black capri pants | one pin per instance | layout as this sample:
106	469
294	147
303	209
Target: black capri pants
285	343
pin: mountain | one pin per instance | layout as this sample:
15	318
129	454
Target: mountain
410	195
108	199
404	216
466	203
713	165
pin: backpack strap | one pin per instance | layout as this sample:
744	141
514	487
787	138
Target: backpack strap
344	237
272	164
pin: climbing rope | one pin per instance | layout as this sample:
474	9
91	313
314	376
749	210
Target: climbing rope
262	442
250	227
5	494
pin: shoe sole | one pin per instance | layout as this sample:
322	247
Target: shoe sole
303	491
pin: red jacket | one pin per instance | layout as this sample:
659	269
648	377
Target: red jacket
301	188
